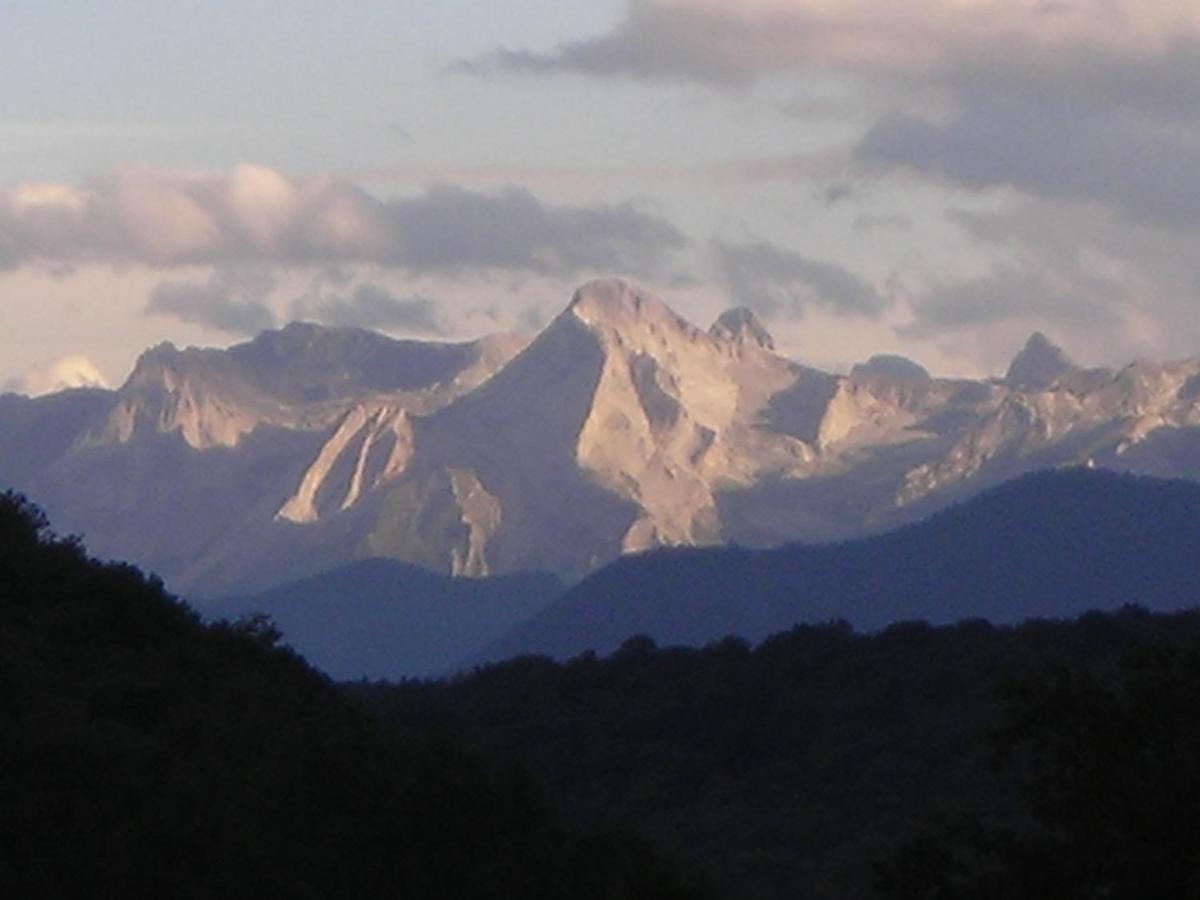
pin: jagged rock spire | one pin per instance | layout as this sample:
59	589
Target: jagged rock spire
1038	365
743	326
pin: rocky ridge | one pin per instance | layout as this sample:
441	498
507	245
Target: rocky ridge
621	427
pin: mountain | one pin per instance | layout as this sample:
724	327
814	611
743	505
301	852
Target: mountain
1039	364
184	468
379	618
1045	545
620	428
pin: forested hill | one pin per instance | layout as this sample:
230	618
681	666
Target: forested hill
143	754
1055	543
829	765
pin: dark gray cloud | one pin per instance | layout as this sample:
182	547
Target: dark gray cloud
1009	293
1160	82
371	306
1087	122
450	229
254	214
773	280
1045	145
231	302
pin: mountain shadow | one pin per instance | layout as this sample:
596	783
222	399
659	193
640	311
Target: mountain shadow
380	618
1055	543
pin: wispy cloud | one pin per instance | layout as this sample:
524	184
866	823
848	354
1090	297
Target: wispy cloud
1122	288
371	306
775	281
229	300
735	41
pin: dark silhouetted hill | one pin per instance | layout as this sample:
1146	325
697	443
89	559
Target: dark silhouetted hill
790	769
144	754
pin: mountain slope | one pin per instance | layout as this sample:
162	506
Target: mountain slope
614	426
184	468
621	427
1047	544
382	619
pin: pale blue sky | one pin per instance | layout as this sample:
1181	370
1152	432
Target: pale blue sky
936	178
214	83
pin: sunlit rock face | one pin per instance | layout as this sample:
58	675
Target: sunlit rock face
620	427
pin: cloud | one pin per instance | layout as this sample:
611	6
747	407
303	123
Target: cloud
1077	99
228	300
882	222
1009	293
1124	288
73	371
1045	145
449	229
256	214
736	41
371	306
773	280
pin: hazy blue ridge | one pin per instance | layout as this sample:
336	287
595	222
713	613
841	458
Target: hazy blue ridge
1049	544
380	618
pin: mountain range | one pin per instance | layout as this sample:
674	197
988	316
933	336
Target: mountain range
1051	544
1048	544
619	428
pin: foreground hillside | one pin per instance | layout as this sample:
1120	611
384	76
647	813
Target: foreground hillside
833	765
620	425
1047	544
143	754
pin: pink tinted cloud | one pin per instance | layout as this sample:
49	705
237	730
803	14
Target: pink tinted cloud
253	213
735	41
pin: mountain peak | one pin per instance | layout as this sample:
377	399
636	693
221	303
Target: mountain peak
741	325
1038	365
613	301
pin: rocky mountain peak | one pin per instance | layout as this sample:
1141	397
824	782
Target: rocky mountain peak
1038	365
618	305
741	325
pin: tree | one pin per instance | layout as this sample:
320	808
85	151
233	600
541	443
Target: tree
1109	764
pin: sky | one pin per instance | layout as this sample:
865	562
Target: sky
933	178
